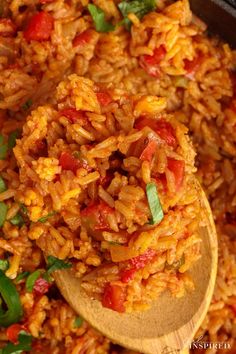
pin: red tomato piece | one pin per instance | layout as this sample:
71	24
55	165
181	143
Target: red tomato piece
95	216
69	162
13	332
74	116
233	307
191	66
177	167
149	151
127	274
82	38
163	128
114	297
104	98
139	262
150	63
41	286
7	28
39	27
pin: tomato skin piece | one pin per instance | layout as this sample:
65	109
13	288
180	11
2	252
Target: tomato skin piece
104	98
39	27
74	116
41	286
82	38
150	63
149	151
191	66
114	297
68	162
13	332
127	275
163	128
139	262
177	167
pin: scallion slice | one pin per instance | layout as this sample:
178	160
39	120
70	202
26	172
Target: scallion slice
154	203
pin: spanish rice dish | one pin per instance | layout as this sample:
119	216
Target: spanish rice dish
97	100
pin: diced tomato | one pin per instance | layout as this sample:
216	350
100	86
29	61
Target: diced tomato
41	286
233	307
163	128
69	162
114	297
13	332
82	38
39	27
104	98
95	216
150	63
127	274
177	167
191	66
139	262
149	151
74	116
7	28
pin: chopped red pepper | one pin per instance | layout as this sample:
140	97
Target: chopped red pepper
7	28
149	151
69	162
104	98
39	27
74	116
163	128
95	216
41	286
150	63
114	297
13	332
139	262
177	167
191	66
82	38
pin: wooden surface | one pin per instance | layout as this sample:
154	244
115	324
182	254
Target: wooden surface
170	324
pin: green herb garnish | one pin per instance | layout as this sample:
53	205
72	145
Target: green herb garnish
3	186
137	7
27	104
54	263
78	322
10	296
3	213
23	209
4	264
21	276
154	203
30	281
176	265
45	218
17	220
24	344
98	16
3	148
12	138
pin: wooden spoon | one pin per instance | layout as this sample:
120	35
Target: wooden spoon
170	324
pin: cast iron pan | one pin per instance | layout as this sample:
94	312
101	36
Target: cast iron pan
219	15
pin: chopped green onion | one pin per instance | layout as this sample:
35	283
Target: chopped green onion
56	264
45	218
24	344
3	213
21	276
99	20
12	138
176	265
11	298
24	209
4	264
78	322
3	186
27	105
30	281
3	151
17	220
137	7
154	203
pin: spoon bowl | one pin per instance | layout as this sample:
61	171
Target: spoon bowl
170	324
